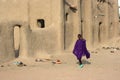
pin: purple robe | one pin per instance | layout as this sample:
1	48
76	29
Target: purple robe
80	49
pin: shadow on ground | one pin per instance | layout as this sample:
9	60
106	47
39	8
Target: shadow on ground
85	62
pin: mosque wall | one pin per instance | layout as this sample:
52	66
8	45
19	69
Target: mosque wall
51	26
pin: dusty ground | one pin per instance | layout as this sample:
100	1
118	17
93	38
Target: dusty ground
104	64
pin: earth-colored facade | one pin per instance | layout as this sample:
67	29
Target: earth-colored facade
37	28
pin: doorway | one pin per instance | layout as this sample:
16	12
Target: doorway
17	40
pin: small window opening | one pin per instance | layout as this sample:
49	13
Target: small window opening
41	23
101	1
66	15
100	23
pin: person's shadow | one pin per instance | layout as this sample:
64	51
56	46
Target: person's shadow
85	62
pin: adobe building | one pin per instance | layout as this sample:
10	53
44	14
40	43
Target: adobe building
33	28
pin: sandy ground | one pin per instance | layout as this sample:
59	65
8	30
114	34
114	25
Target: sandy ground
103	65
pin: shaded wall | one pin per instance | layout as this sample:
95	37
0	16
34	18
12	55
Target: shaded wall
86	19
38	10
105	21
47	40
34	40
6	41
12	13
72	23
